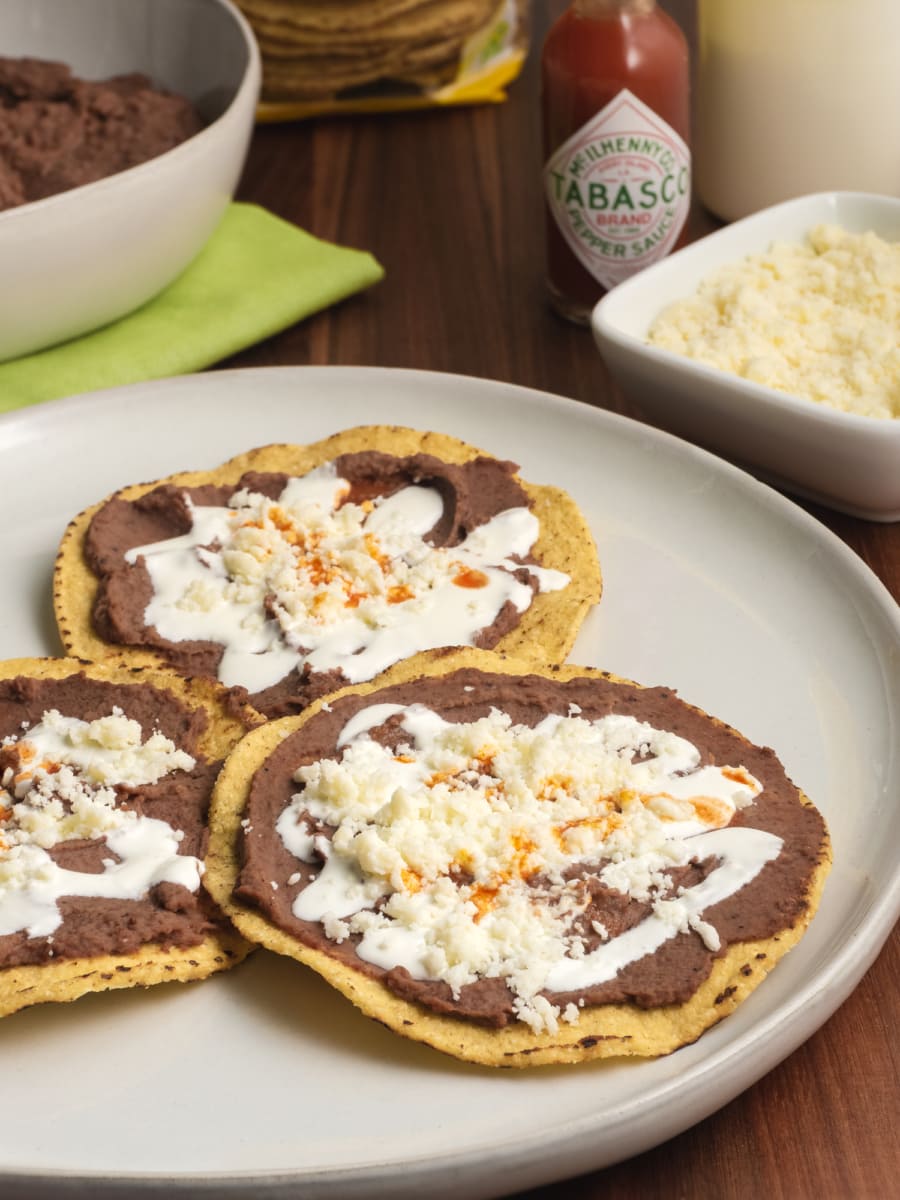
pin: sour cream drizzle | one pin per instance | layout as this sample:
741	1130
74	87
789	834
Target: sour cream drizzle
340	586
62	790
450	834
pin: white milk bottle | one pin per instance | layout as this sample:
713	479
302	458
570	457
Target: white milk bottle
795	96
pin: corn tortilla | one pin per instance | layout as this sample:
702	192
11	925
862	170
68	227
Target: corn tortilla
601	1031
222	948
545	632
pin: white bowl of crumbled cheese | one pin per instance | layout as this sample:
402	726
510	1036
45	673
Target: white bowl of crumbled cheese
776	341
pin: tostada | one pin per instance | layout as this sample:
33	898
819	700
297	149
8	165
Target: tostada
518	866
105	778
293	570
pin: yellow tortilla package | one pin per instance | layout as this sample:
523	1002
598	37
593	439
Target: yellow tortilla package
346	56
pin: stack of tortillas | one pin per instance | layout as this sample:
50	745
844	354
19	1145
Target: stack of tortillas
315	49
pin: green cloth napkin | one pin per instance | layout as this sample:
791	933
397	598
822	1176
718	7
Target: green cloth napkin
254	277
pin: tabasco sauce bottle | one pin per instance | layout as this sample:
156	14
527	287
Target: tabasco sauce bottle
617	167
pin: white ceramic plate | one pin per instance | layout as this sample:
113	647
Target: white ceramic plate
845	461
264	1080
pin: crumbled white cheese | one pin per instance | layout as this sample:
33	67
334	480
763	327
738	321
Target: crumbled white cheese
338	931
106	750
819	319
310	578
61	789
571	1014
464	836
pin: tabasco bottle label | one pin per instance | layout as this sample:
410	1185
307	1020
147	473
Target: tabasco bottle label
620	189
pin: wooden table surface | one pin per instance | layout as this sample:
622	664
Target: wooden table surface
449	202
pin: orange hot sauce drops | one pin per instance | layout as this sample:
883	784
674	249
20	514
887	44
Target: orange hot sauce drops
617	167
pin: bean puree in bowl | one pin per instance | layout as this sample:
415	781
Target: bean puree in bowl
58	131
